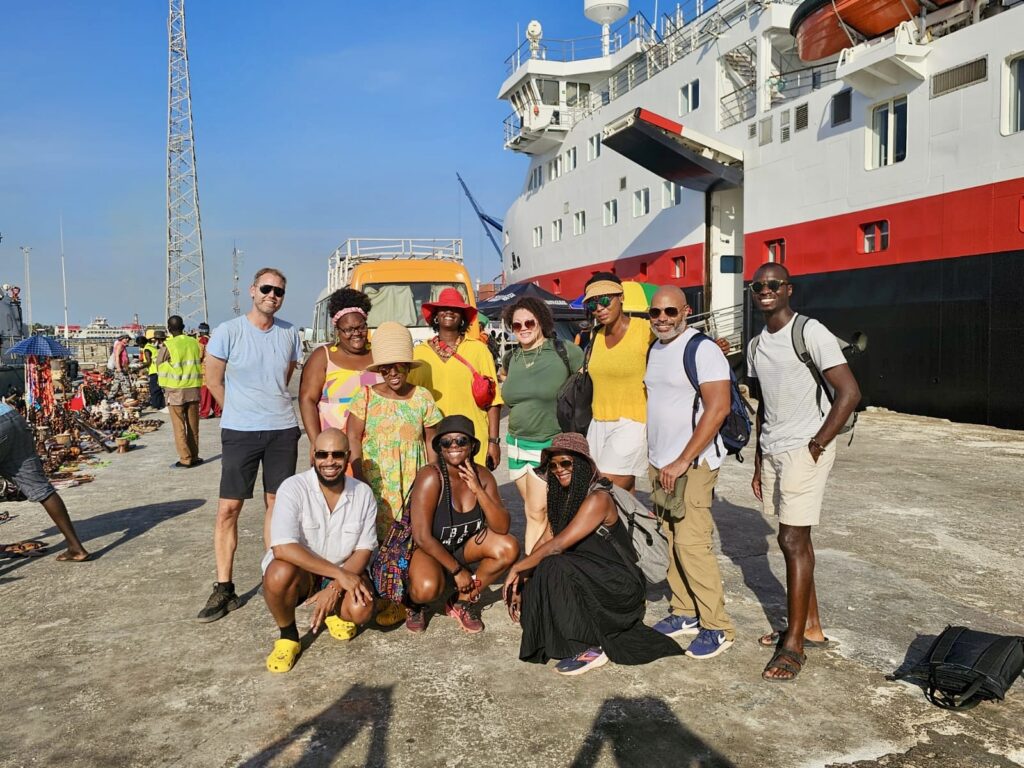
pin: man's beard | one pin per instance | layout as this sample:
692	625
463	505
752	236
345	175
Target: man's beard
667	335
337	484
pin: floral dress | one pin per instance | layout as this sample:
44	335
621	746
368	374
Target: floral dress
393	446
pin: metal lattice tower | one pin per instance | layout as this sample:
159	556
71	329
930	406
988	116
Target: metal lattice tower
236	265
186	272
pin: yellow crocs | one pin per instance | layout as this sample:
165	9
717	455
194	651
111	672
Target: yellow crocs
389	613
339	628
283	657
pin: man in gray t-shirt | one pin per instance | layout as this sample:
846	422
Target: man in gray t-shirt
793	459
249	364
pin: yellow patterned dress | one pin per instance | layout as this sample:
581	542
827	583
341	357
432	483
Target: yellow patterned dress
340	384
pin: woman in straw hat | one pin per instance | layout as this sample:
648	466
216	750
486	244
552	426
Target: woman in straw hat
582	598
391	425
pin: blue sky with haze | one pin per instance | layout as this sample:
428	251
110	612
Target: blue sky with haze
315	121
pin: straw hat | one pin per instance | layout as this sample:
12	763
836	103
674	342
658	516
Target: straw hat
449	298
392	343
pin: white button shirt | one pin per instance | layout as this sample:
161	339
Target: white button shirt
301	516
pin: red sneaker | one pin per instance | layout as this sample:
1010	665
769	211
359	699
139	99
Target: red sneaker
460	612
416	621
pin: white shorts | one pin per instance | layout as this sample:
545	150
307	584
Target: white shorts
619	447
793	485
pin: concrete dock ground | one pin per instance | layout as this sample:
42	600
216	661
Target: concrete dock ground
105	665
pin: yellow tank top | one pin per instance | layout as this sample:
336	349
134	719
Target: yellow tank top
618	374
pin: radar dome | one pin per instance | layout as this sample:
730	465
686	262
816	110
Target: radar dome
604	12
534	31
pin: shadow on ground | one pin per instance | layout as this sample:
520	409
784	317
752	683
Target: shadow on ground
746	540
319	740
645	731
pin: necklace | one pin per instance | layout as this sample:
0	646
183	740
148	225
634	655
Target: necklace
530	360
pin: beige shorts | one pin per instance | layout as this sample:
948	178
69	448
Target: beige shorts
619	447
793	485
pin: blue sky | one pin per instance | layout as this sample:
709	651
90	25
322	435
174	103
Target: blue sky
315	121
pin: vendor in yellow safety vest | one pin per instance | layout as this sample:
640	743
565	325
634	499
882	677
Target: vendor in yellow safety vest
149	351
181	376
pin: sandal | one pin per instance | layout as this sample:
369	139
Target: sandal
283	657
339	628
774	640
28	548
5	516
787	661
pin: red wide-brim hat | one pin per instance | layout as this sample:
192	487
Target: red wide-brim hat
449	298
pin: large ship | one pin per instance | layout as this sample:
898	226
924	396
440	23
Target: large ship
874	147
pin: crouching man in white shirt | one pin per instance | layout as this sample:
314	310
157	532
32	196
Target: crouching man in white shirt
322	534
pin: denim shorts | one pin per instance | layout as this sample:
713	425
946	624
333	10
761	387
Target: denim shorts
18	458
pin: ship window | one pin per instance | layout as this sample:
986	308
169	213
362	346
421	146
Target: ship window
536	178
555	167
642	202
594	147
679	267
516	263
765	131
874	236
577	94
622	184
842	107
1017	95
570	159
671	194
538	237
731	265
556	230
506	236
548	92
889	132
775	250
689	97
800	117
579	222
611	212
557	285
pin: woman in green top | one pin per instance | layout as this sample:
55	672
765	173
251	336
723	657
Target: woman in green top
534	372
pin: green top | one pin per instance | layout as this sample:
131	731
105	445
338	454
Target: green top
532	384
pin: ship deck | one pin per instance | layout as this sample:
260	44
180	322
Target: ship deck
104	663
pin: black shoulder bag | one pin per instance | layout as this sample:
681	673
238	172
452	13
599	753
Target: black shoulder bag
574	402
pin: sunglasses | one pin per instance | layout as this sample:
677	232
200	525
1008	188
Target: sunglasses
772	285
603	301
333	454
278	291
561	463
528	325
655	312
457	442
384	370
355	330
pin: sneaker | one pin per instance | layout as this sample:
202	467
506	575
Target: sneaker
676	626
416	620
389	613
460	612
221	601
708	644
592	658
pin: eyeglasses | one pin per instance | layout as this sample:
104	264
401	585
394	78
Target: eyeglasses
355	330
772	285
458	442
384	370
655	312
321	455
604	301
561	463
278	290
528	325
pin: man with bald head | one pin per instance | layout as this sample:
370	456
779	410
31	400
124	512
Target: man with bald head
322	533
684	454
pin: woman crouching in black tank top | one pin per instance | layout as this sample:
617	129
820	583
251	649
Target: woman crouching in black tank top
457	518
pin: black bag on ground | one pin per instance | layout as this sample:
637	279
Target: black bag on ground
573	404
964	667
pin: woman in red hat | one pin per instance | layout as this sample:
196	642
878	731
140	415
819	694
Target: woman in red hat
450	360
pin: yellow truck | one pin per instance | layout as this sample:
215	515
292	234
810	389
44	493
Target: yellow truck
399	276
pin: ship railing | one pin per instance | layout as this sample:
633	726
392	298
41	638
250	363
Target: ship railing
725	323
739	105
359	250
799	82
578	48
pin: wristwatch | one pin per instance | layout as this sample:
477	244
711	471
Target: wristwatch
494	441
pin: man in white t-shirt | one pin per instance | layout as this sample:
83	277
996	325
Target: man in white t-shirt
322	533
685	453
795	425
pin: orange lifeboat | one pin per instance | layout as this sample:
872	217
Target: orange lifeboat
818	25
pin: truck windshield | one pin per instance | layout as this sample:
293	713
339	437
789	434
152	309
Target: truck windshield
401	302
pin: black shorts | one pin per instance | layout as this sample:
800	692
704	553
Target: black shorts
18	458
243	452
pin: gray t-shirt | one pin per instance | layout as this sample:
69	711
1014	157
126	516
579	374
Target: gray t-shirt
256	397
791	413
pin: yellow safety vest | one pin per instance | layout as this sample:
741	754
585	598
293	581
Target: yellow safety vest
153	350
183	369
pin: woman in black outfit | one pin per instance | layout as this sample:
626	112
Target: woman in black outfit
580	600
457	518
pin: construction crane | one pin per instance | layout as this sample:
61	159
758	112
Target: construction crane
488	221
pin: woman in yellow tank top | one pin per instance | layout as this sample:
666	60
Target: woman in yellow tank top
618	433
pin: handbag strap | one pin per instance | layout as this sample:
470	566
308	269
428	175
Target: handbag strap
456	355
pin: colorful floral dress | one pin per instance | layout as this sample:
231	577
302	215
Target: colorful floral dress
393	446
340	384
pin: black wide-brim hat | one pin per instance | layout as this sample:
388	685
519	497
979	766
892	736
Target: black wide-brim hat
455	425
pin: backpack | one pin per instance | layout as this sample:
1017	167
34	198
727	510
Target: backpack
644	528
574	402
800	348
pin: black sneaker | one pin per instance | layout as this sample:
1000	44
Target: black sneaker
221	601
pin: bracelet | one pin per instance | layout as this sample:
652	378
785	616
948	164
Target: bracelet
494	441
458	570
814	441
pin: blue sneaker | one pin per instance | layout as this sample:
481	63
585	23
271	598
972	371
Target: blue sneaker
708	644
592	658
675	626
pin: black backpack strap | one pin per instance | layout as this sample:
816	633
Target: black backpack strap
560	349
690	369
800	348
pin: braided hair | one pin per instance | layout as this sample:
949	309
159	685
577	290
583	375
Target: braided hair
443	467
564	503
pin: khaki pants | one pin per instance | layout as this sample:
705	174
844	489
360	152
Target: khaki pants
185	420
693	574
